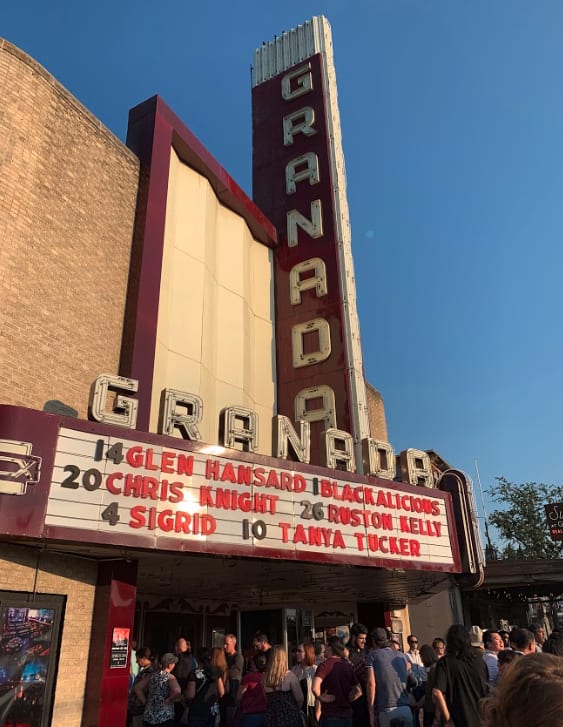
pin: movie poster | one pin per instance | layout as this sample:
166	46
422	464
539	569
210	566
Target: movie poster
119	648
26	643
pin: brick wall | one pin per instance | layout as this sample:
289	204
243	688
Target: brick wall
376	414
67	206
67	576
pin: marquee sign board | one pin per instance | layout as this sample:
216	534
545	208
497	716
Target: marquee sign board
151	491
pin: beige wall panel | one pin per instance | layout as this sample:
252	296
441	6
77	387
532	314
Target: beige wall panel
264	389
74	578
233	339
233	240
215	323
261	265
67	206
185	331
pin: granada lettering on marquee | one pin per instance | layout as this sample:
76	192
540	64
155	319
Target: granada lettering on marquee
182	412
127	487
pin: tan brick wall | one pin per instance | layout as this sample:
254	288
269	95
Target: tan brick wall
376	414
67	576
67	203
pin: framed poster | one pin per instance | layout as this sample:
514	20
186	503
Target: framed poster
119	648
29	648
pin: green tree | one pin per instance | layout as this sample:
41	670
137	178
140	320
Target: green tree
521	522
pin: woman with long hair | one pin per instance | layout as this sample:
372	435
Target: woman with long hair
205	689
460	681
219	662
304	670
284	697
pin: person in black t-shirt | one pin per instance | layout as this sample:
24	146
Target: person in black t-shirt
205	689
460	681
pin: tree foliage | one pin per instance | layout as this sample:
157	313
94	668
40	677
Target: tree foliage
522	522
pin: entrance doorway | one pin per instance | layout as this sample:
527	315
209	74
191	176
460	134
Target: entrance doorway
161	630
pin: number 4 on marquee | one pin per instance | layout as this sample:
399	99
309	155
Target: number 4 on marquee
111	513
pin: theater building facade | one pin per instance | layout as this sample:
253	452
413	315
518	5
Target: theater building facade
187	442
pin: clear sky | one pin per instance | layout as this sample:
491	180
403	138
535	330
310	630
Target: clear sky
452	118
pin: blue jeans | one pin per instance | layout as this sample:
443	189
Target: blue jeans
404	713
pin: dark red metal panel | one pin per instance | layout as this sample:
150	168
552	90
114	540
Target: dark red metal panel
107	685
270	158
24	514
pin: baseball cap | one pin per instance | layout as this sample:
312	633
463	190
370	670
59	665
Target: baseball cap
379	635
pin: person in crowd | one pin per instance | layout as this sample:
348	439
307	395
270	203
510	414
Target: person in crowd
304	670
395	644
186	661
413	654
522	641
529	694
186	664
388	672
357	643
539	635
135	708
439	646
429	660
219	662
251	696
493	646
505	636
235	662
204	691
319	652
460	681
505	657
476	638
554	644
284	697
336	686
262	643
357	655
158	690
133	664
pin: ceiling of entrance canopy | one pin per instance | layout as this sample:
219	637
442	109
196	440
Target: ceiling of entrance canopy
252	582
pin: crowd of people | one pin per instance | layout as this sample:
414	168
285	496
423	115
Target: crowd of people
470	678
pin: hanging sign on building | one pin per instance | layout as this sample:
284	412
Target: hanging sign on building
554	517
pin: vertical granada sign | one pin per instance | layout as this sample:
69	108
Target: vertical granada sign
299	182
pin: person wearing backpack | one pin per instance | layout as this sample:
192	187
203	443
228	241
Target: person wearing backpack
205	689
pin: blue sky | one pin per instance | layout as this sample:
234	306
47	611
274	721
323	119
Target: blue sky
452	118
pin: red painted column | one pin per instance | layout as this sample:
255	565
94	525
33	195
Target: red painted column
107	681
